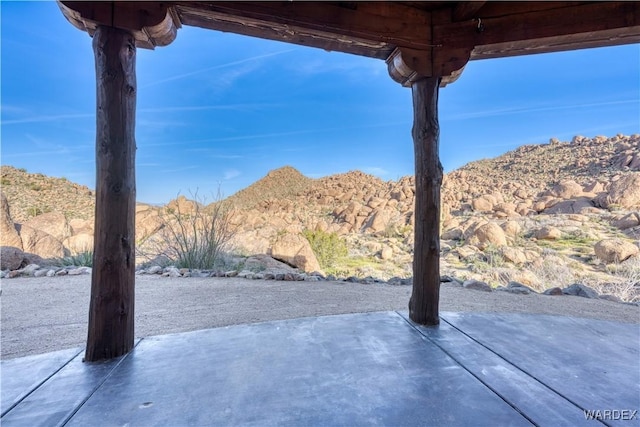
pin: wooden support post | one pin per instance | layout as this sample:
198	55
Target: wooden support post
423	305
111	311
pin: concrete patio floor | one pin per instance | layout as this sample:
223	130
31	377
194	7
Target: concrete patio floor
355	369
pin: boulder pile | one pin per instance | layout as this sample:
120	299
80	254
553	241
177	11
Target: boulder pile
562	211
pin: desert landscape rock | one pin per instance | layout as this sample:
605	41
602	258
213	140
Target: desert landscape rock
615	250
11	258
537	215
295	250
8	234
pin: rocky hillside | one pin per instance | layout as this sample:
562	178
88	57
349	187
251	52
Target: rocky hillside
532	169
562	211
31	194
279	184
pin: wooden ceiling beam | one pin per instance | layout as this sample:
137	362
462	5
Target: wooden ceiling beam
365	28
465	10
568	26
386	22
152	25
431	38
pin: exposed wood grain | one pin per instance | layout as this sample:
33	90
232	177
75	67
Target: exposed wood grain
367	28
558	44
111	312
151	23
465	10
448	31
579	22
423	305
385	22
285	33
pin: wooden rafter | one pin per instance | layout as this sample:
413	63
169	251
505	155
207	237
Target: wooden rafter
432	38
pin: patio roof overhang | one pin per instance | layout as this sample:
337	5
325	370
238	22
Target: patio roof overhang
425	44
415	38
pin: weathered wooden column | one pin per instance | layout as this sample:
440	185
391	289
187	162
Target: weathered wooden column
425	297
111	311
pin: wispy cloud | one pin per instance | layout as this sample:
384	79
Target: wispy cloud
526	110
213	153
350	67
277	134
47	118
216	67
159	124
231	173
237	107
41	147
36	153
226	157
186	168
6	108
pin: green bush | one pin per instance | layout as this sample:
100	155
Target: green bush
329	248
80	259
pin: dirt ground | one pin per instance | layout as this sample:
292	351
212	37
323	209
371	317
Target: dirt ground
40	315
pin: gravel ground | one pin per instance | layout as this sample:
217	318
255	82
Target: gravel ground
40	315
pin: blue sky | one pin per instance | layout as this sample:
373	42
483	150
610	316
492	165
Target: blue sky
222	109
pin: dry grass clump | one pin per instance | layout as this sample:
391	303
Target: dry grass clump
624	280
620	279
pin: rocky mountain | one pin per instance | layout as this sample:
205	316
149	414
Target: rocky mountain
538	215
279	184
32	194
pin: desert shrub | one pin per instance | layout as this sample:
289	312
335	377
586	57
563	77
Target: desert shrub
329	248
79	259
34	211
552	271
196	238
487	260
359	266
624	281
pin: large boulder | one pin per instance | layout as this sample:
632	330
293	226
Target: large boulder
378	220
79	243
547	233
512	228
567	189
483	203
8	234
40	243
148	222
615	250
624	192
182	205
514	255
490	233
53	223
571	206
79	225
294	249
627	221
263	262
251	241
11	258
